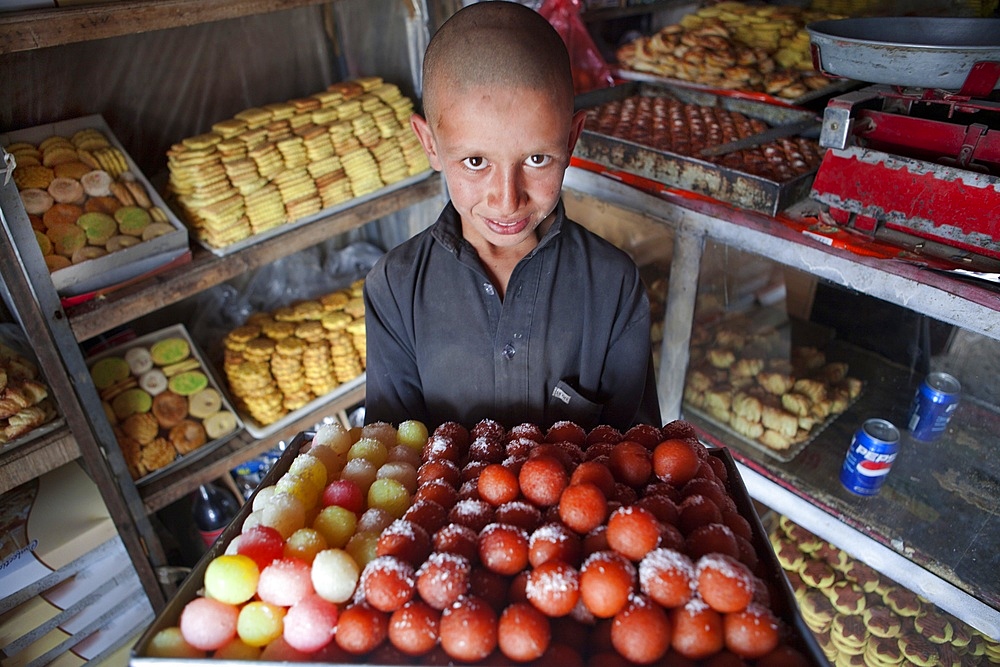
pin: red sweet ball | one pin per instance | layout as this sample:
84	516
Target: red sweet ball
458	433
487	449
555	449
566	431
600	451
663	508
441	447
676	461
468	629
526	431
738	524
427	514
438	469
413	628
457	539
487	428
542	479
711	538
520	447
607	579
748	555
751	633
678	429
596	473
603	433
476	514
646	435
671	537
719	466
553	588
783	656
594	541
519	513
443	578
667	577
633	532
517	588
503	548
497	484
523	632
360	628
388	583
553	541
405	540
724	583
443	493
711	489
630	463
262	544
641	631
470	473
697	630
583	507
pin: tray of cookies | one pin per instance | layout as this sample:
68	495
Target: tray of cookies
97	219
163	402
658	132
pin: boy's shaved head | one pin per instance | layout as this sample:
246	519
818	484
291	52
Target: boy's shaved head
496	44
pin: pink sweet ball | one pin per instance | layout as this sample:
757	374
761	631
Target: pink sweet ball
285	581
309	624
207	624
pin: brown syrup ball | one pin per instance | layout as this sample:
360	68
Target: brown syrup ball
487	449
657	488
542	479
748	555
404	540
361	628
458	433
468	629
387	654
497	484
603	433
678	429
520	447
468	490
553	449
676	461
607	579
440	448
646	435
523	632
438	490
667	577
388	583
519	513
633	531
697	630
443	578
427	514
696	511
724	583
527	430
724	658
487	428
738	524
641	632
583	507
711	489
719	467
562	655
566	431
553	588
596	473
594	541
783	656
663	508
476	514
489	586
470	472
751	633
711	538
503	548
623	495
517	588
630	463
457	539
554	541
599	451
439	470
413	628
572	451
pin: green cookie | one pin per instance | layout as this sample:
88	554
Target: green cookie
169	351
108	371
187	383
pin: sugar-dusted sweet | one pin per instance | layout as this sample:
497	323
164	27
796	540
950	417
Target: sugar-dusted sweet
344	492
374	519
667	576
361	628
427	514
438	470
310	468
237	649
457	539
371	449
583	507
170	643
334	436
711	538
411	433
413	628
676	461
389	494
497	484
300	487
309	623
285	581
260	623
231	578
631	463
363	547
388	583
468	629
519	513
697	629
207	623
402	471
284	512
279	650
542	479
405	540
334	575
633	531
641	631
523	632
361	471
261	543
553	588
404	454
554	541
336	524
384	432
443	578
304	544
726	584
751	632
503	548
607	580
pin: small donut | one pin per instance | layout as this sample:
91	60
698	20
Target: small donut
187	436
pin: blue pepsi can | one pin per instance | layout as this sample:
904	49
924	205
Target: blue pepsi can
872	451
933	404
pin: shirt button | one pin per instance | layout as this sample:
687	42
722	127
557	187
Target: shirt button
489	289
508	351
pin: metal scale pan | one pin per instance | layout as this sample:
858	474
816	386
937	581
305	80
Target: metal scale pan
917	52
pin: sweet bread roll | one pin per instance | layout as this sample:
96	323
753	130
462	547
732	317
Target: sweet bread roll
797	404
745	427
775	383
775	440
746	368
721	357
777	419
833	372
747	406
815	390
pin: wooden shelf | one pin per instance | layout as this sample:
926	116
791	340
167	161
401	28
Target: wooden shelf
37	457
206	269
41	28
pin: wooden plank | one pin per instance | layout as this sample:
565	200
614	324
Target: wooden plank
30	460
41	28
206	270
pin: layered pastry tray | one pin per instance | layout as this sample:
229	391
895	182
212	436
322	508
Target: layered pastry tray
658	132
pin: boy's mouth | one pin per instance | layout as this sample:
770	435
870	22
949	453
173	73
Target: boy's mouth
507	227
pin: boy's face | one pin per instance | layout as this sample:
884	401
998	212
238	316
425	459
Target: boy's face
503	153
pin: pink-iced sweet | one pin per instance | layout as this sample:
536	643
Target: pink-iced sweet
285	581
263	544
208	624
310	623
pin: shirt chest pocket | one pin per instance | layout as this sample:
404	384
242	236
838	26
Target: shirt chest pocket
567	403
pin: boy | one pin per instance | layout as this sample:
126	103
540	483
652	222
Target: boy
504	308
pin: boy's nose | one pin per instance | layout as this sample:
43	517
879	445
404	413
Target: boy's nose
507	190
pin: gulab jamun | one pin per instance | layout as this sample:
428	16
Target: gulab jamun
443	578
566	431
519	513
554	541
711	538
503	548
646	435
697	630
752	632
596	473
457	539
583	507
361	628
724	583
630	463
607	580
476	514
553	588
675	461
633	531
405	540
523	632
667	577
497	484
413	628
468	629
641	631
542	479
388	583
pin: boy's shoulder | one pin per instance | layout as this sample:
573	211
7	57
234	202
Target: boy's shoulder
593	244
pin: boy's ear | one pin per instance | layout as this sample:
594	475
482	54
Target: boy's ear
423	131
579	118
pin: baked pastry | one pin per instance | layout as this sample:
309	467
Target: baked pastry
169	408
187	436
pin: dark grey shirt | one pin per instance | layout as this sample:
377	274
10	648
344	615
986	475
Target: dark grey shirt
570	340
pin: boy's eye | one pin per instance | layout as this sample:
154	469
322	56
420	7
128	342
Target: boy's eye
475	163
538	160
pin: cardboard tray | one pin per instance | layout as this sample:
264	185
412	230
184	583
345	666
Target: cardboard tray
782	598
122	265
695	174
178	330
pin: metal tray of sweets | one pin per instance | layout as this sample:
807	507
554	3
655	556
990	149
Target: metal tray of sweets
782	598
690	172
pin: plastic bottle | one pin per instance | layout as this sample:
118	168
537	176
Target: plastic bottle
213	510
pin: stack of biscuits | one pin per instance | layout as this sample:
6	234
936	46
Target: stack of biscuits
81	198
861	617
279	361
24	397
752	380
282	162
732	45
